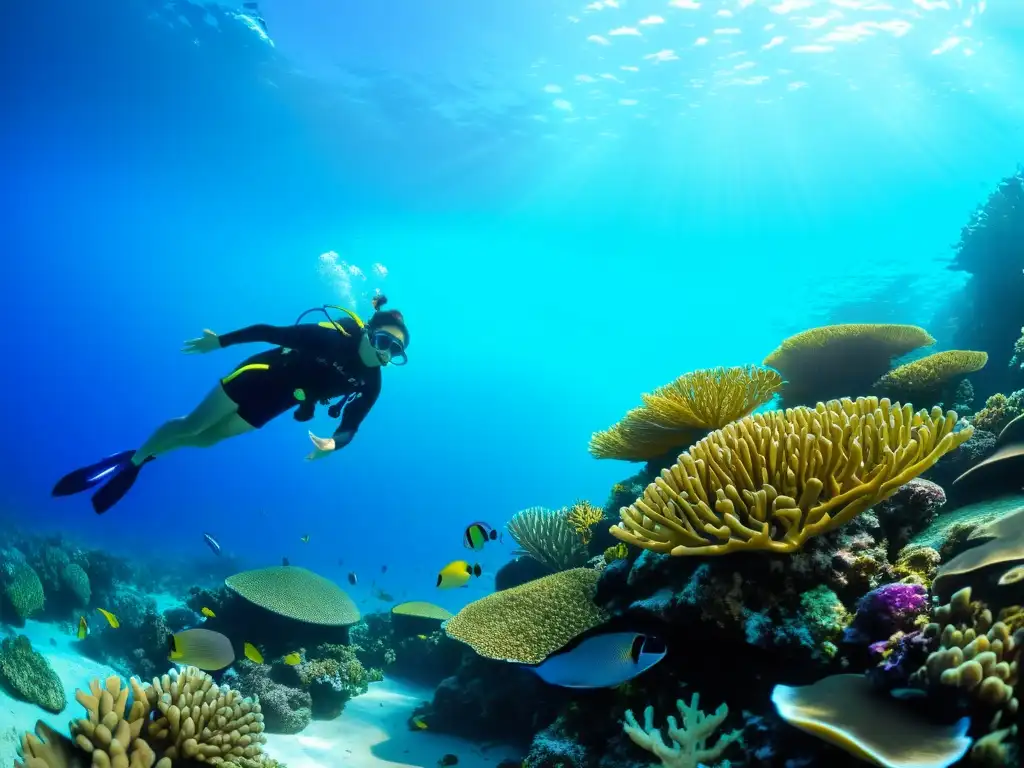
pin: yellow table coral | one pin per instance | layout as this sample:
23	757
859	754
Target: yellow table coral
931	374
833	361
773	480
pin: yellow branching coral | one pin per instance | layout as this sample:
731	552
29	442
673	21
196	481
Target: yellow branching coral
773	480
202	721
929	375
112	736
582	517
835	361
528	623
183	715
638	437
689	747
676	414
711	398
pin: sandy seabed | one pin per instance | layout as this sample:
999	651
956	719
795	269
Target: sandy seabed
372	732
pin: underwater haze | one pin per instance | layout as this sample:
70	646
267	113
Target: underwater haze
570	203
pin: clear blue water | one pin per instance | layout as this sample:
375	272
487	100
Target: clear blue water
572	204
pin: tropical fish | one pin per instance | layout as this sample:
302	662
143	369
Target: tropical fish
602	661
1012	576
380	594
457	574
478	534
208	613
253	654
304	539
418	722
83	628
201	648
421	637
212	543
352	579
448	760
293	658
111	618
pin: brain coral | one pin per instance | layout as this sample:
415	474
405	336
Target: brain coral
25	591
773	480
528	623
296	593
29	674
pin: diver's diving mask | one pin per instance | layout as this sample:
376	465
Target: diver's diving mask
383	341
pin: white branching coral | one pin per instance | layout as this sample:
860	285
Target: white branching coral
688	747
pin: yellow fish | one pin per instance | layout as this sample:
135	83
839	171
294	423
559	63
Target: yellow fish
201	648
293	658
457	574
208	613
305	539
83	628
252	653
111	618
422	637
418	722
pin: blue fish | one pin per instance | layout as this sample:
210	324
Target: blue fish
602	661
212	543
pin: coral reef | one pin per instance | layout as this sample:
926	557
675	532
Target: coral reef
528	623
22	586
285	709
333	674
838	361
181	716
886	610
774	480
675	415
28	674
932	378
689	737
999	411
295	593
987	311
549	537
974	656
582	516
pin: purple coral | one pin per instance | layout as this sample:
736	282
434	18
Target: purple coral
886	610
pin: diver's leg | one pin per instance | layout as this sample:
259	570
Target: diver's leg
176	433
230	426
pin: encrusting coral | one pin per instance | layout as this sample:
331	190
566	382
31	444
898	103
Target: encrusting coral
931	375
773	480
676	414
528	623
182	715
689	747
999	411
549	537
835	361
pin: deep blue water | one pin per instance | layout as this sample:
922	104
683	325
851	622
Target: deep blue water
565	223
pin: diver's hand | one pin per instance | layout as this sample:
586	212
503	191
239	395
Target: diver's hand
323	446
208	342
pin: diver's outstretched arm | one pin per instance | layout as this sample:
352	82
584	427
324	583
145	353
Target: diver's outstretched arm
307	338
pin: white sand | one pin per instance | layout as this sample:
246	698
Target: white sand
372	732
75	672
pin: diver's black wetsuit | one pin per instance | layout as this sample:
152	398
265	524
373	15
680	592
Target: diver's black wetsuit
311	362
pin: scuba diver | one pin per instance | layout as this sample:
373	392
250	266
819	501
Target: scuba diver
311	363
